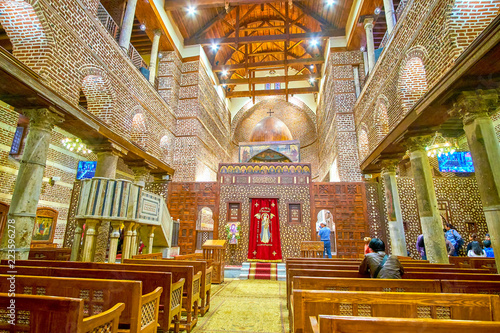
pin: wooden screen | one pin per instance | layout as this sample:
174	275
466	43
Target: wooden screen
347	202
185	200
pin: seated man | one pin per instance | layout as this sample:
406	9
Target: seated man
380	265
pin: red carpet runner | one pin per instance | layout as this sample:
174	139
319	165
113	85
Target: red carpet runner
263	271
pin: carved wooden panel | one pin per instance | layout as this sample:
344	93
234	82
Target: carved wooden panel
184	202
347	202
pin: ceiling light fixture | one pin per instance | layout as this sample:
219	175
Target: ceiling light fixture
224	72
378	11
142	27
215	47
330	2
314	42
191	10
362	49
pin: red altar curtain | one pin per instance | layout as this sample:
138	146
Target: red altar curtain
265	243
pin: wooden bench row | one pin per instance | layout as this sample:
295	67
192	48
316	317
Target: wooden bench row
191	288
34	313
342	324
307	303
140	313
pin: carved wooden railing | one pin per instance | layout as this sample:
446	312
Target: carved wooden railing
107	21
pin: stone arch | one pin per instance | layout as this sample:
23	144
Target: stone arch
381	116
29	33
466	14
139	132
412	78
98	92
363	142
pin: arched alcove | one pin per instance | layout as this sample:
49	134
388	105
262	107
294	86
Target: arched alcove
381	118
412	80
204	226
139	132
98	97
363	142
326	216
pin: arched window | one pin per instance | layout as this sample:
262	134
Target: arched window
381	119
412	83
139	130
327	217
96	97
364	144
204	226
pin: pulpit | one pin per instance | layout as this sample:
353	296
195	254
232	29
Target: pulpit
215	250
311	249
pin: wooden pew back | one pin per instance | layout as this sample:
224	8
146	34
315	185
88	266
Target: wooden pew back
308	303
98	295
342	324
35	313
155	256
50	254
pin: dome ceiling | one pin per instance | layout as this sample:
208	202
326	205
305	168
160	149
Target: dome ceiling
270	129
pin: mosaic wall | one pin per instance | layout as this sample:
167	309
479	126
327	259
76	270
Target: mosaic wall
288	187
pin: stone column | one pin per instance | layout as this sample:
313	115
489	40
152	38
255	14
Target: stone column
107	161
22	212
151	236
90	238
154	56
393	206
134	240
475	108
357	85
370	46
430	220
113	243
127	240
141	174
390	16
127	25
77	238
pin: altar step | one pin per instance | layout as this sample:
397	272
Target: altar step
263	271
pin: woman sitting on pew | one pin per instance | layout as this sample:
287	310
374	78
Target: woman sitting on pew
380	265
488	250
476	250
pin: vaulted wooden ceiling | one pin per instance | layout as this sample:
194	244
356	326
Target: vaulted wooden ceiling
244	36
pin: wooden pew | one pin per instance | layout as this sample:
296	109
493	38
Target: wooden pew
342	324
98	295
470	287
155	256
57	314
308	303
170	301
191	256
191	292
50	254
406	268
467	262
199	266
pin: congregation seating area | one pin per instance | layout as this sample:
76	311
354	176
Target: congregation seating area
161	294
322	292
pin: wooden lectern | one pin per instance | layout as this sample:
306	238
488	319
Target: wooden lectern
215	250
311	249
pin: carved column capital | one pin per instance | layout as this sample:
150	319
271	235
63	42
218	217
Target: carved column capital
368	23
43	119
470	105
417	142
157	32
107	147
389	165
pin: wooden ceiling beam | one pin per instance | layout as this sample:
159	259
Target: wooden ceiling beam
269	79
214	20
176	4
280	92
262	64
266	38
306	10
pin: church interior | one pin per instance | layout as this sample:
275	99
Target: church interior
171	165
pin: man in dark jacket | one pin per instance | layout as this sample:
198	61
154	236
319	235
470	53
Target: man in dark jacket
380	265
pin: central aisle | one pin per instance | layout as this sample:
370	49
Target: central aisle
246	306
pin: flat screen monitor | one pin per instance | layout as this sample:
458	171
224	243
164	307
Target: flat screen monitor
86	170
459	161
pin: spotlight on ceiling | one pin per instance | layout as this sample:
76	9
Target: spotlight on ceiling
215	47
142	27
330	2
377	11
224	72
311	67
224	85
314	42
362	49
191	10
312	81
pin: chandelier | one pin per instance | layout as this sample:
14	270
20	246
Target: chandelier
76	145
439	146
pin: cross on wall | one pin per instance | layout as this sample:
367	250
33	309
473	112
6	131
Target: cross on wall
270	112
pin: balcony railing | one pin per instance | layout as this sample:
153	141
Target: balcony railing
136	57
107	21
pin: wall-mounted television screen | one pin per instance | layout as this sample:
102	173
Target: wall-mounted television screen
459	161
86	169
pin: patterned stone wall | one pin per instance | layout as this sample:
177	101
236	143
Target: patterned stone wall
239	186
429	37
337	136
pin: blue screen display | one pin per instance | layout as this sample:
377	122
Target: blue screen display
459	161
86	169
